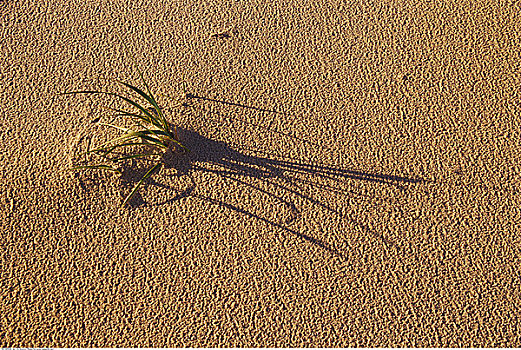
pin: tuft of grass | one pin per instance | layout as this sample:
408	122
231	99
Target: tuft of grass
149	129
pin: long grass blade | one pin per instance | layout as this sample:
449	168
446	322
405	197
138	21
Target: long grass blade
148	88
163	132
144	136
147	175
108	150
150	128
128	136
150	100
122	113
154	132
150	117
143	155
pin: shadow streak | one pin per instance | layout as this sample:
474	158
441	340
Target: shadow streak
218	158
277	171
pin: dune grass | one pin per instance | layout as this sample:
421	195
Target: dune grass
149	130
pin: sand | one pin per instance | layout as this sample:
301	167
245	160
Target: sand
354	177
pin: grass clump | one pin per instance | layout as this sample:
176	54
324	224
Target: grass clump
149	130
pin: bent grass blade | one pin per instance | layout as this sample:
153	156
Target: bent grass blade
150	128
147	175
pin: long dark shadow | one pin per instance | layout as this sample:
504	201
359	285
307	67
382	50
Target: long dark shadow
301	235
271	169
234	165
205	150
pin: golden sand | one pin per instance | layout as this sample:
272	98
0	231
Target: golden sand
354	176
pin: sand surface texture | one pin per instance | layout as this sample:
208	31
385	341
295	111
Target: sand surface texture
354	176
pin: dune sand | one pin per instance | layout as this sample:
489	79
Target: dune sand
353	180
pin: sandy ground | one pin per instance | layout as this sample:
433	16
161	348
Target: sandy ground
354	177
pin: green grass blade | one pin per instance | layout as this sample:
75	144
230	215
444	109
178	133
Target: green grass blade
128	136
107	150
153	132
134	134
131	134
122	113
143	155
150	117
145	83
150	128
155	141
147	97
160	131
186	149
144	135
147	175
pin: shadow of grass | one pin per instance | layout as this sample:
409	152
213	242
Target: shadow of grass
218	158
283	173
